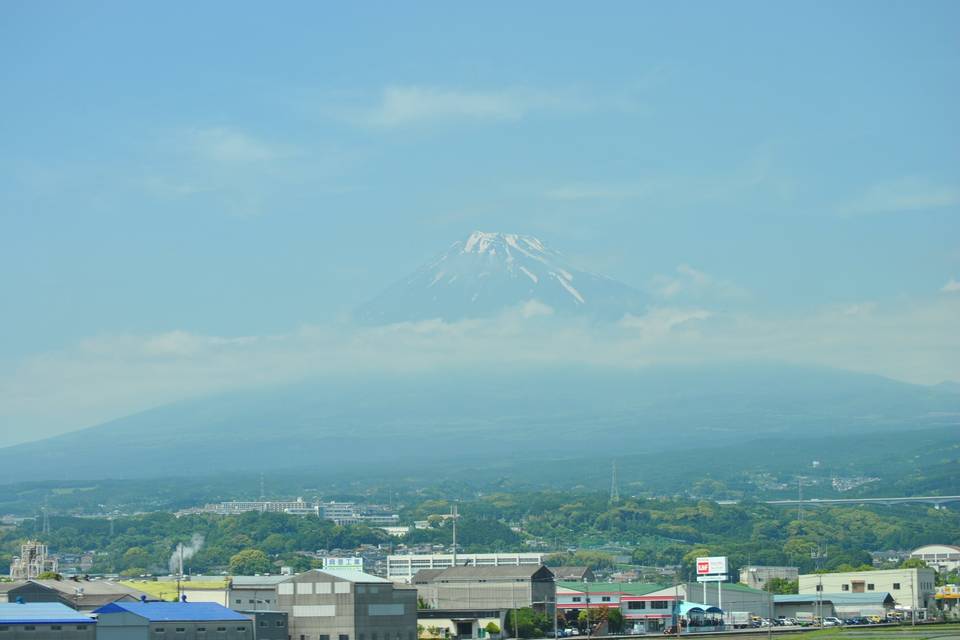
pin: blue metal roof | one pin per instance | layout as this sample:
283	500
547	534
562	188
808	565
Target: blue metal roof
175	611
41	613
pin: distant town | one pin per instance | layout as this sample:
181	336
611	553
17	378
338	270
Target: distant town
401	589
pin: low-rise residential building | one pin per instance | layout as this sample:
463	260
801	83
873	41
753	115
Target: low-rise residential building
23	621
175	620
913	590
642	614
347	605
757	577
401	568
502	587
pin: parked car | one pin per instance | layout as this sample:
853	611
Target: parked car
831	621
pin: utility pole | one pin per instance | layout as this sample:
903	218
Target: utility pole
770	615
453	513
818	555
800	499
676	605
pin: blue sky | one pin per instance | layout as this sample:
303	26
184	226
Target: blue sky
229	171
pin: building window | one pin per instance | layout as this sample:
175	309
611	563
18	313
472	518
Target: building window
324	636
896	586
845	587
576	598
605	599
55	627
819	587
869	586
81	627
634	605
659	604
279	623
29	627
181	630
344	636
241	628
159	629
204	629
221	629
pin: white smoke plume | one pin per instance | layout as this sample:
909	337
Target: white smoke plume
185	552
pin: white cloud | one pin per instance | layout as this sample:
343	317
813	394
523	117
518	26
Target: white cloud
662	320
904	195
952	286
408	105
596	191
223	145
110	376
693	283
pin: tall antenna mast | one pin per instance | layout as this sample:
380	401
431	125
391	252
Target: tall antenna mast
262	492
614	489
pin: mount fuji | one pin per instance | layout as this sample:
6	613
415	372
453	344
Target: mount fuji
489	272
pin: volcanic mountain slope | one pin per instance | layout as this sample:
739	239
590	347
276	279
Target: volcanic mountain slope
525	417
489	272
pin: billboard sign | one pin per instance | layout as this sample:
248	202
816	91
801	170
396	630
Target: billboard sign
712	565
350	564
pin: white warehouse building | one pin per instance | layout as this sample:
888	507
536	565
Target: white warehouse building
402	568
912	589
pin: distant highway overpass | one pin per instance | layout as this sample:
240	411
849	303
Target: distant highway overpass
936	501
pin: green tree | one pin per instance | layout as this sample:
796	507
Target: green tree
50	575
913	563
614	621
492	628
248	562
526	623
136	557
782	586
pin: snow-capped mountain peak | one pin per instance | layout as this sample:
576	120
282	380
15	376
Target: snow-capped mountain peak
491	271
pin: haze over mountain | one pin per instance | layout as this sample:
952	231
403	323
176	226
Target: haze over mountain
491	271
469	419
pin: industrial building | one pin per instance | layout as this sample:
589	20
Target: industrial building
81	595
33	561
757	577
254	593
500	587
347	605
269	625
573	574
913	590
179	620
841	605
943	558
22	621
462	624
401	568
